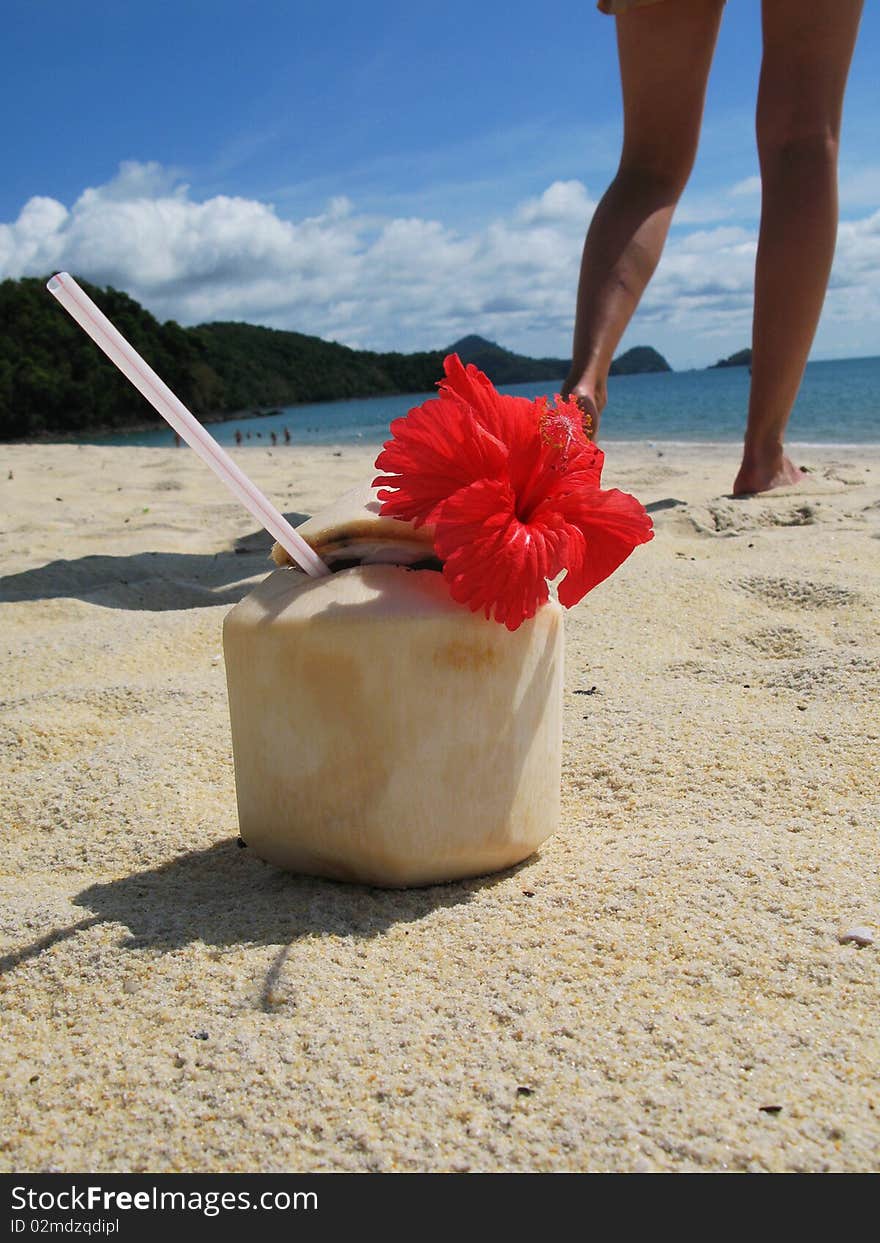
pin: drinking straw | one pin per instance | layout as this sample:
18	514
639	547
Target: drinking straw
93	321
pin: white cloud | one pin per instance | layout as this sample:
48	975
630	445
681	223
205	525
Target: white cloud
564	203
35	241
407	282
859	186
749	187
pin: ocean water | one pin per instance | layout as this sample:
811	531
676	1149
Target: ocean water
839	403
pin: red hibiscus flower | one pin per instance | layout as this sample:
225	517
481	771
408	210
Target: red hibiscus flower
511	487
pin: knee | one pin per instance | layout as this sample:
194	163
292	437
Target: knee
793	144
662	180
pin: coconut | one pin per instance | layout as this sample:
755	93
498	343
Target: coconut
383	733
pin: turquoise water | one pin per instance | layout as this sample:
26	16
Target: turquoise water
839	403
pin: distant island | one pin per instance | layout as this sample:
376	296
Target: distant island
742	358
641	358
54	381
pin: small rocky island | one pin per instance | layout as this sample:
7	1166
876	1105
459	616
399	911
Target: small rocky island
638	360
742	358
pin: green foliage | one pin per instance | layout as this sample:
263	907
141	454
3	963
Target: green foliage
504	367
267	367
54	379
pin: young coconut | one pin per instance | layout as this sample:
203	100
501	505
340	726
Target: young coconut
382	732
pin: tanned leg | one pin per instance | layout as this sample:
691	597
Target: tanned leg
665	53
807	53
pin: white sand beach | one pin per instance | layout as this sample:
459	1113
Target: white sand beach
675	982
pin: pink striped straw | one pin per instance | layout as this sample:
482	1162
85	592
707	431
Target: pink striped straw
93	321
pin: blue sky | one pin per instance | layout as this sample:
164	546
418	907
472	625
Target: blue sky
390	175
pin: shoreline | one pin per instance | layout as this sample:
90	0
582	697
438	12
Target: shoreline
134	429
358	445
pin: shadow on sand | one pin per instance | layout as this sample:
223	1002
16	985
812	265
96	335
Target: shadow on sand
226	896
152	581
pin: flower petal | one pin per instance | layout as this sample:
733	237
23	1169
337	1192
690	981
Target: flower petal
436	449
492	561
510	419
611	524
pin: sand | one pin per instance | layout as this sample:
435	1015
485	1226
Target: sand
668	985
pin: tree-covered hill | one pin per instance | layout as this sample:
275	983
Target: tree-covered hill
268	367
55	381
504	367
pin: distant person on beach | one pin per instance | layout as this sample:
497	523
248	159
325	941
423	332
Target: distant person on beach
665	49
237	436
286	436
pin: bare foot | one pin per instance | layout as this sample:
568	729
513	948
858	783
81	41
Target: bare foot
589	405
762	476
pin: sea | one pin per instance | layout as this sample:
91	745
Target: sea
838	403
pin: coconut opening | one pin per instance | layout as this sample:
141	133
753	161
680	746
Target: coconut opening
352	532
350	563
347	553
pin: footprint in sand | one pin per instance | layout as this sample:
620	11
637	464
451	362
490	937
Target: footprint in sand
817	678
726	519
870	514
779	642
799	592
644	475
794	516
849	476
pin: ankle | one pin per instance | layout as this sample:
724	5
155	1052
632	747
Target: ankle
589	392
762	450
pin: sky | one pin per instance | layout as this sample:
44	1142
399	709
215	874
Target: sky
391	175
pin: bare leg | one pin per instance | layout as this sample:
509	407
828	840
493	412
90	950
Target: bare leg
665	54
807	53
